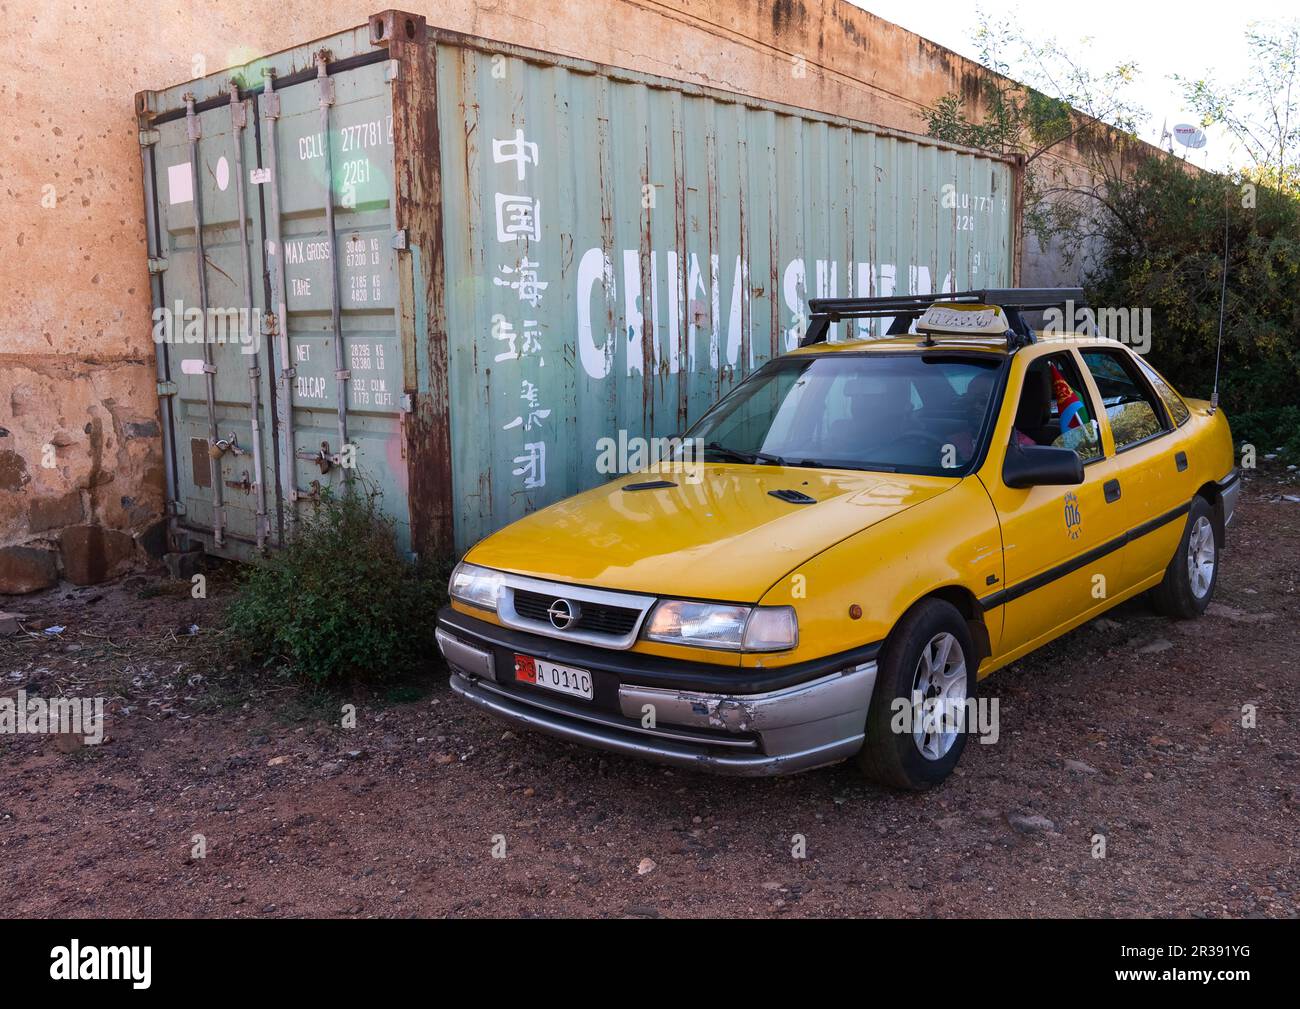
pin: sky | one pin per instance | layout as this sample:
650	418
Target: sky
1193	38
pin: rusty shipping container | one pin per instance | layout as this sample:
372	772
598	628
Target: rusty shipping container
452	266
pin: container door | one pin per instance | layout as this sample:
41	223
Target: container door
209	325
327	144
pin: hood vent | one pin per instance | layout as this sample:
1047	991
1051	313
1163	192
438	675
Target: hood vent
793	496
650	485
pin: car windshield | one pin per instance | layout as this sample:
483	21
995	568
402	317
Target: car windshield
910	413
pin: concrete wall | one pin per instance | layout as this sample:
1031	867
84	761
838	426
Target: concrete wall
80	457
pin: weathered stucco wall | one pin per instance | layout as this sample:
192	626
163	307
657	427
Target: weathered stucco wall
81	468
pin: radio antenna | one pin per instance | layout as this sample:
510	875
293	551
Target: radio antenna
1223	300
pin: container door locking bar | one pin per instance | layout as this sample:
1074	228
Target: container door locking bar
209	368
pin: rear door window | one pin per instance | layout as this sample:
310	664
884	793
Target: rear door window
1130	405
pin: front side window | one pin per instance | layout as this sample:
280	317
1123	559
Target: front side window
1054	409
1130	407
913	413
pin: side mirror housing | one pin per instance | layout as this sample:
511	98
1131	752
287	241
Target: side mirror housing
1041	465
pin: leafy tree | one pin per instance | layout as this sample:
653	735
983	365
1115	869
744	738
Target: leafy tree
1262	112
1057	100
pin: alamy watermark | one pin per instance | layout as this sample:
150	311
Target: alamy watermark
633	454
179	325
33	716
943	715
1130	326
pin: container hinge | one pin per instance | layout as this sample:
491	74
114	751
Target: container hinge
393	72
149	137
323	81
176	507
192	129
254	372
271	105
156	265
288	373
238	112
399	240
167	389
342	375
209	369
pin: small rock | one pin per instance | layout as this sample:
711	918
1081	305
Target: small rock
1079	767
642	911
1159	645
645	865
332	768
277	761
10	622
1236	615
443	759
1106	624
1030	823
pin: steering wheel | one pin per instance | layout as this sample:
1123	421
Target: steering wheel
924	437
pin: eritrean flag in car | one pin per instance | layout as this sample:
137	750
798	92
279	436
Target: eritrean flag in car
1073	412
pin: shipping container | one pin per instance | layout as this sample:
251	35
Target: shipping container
449	268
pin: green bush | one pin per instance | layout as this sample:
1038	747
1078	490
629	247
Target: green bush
1162	247
339	601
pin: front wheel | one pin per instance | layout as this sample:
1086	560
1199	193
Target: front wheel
1190	579
916	726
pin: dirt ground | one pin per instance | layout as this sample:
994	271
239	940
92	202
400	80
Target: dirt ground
1130	728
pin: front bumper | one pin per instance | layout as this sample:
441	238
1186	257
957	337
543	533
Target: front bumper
791	727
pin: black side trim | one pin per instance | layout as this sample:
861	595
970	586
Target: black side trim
652	670
1014	592
1227	482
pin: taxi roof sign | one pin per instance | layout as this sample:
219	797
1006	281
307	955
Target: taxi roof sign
947	317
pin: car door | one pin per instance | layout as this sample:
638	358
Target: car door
1061	544
1154	475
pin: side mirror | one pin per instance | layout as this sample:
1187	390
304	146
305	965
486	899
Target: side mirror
1041	465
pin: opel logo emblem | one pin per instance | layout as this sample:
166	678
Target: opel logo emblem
563	614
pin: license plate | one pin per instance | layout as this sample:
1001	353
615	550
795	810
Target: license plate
563	679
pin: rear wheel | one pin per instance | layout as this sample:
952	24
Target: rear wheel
926	672
1190	579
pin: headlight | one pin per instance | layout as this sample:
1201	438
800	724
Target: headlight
475	585
719	625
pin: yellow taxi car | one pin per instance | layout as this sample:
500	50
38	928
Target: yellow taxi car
868	528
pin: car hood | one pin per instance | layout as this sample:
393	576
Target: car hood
723	536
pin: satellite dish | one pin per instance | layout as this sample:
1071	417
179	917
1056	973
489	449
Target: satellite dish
1190	136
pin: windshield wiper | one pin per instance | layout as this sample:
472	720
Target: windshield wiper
752	458
827	464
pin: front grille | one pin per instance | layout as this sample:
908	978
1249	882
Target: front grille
598	618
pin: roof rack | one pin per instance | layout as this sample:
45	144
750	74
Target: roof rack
905	309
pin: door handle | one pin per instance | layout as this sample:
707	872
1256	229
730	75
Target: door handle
1111	490
1180	460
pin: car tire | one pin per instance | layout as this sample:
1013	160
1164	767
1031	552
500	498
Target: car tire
1193	573
893	754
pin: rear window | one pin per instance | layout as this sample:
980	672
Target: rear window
1174	402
